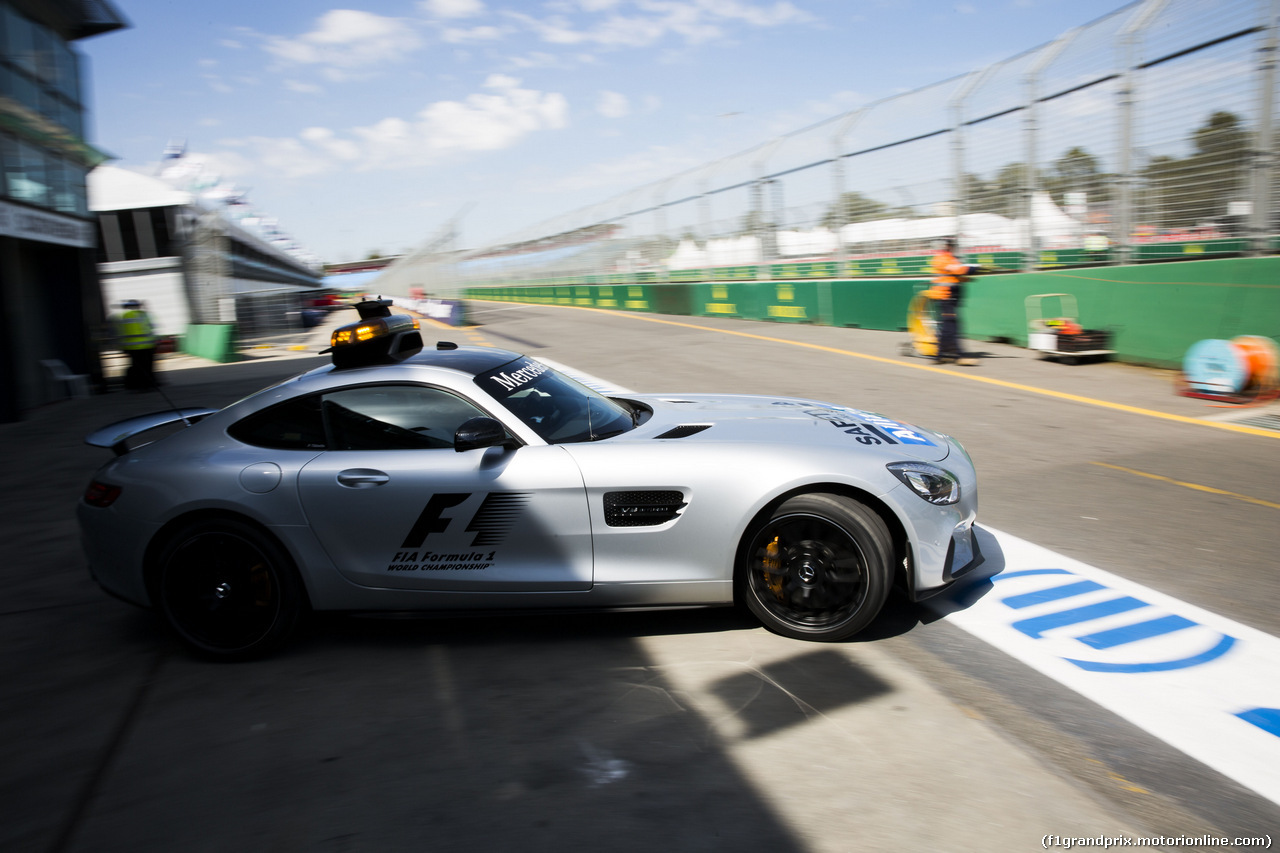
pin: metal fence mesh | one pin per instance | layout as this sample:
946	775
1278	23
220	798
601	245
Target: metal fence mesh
1145	135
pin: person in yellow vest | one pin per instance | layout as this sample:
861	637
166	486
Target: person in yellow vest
135	336
948	288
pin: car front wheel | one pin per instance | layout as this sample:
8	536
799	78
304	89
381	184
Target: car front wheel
228	590
818	568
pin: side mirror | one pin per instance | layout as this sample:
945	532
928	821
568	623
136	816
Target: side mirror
479	432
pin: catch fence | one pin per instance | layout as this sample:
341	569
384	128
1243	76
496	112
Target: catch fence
1146	135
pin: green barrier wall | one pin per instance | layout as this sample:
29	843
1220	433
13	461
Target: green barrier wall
874	303
214	341
1155	311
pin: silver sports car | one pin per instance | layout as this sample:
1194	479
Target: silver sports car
397	479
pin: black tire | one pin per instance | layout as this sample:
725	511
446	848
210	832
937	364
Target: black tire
818	569
228	590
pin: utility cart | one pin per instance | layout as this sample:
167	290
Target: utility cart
1059	335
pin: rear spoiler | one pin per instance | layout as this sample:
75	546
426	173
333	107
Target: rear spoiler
116	436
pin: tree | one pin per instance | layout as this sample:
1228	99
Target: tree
856	207
1001	195
1077	171
1196	190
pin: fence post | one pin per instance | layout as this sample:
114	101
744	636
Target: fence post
958	184
758	206
1263	159
1031	174
704	211
1128	35
846	125
660	225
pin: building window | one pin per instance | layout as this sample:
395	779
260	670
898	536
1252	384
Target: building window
160	226
40	71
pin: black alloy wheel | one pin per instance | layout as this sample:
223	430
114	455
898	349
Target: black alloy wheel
228	590
818	569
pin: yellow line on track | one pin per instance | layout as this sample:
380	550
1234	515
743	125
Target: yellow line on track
476	338
1017	386
1196	486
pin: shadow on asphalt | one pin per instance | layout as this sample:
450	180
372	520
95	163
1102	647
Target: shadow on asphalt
380	632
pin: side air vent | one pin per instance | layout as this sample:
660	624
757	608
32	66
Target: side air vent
641	509
684	431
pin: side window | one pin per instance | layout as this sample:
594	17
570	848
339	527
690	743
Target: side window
294	425
394	417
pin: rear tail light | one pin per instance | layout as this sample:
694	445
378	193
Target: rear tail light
101	494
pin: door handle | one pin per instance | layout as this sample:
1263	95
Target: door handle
362	478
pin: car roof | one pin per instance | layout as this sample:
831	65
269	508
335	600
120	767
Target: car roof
467	361
471	360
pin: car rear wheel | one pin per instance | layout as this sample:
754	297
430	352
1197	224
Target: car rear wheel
228	590
818	569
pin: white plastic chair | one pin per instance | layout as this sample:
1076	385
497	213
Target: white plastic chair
72	384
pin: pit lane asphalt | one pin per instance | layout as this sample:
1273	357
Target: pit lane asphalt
691	730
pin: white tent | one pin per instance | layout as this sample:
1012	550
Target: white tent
718	253
1052	227
820	241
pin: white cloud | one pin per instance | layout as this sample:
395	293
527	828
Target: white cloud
303	88
452	8
347	38
695	21
613	105
456	35
290	158
324	139
537	59
634	170
216	84
760	16
486	121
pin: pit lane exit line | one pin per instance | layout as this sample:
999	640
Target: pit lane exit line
1202	683
1031	389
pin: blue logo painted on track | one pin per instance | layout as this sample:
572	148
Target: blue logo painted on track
1267	719
1148	622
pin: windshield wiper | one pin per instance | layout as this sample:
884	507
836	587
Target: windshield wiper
632	409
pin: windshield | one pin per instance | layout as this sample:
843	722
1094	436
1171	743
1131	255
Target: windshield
554	406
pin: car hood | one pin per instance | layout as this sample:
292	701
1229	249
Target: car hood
785	420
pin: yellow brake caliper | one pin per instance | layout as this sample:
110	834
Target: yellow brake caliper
773	568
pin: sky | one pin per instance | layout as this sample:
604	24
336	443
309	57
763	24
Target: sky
364	127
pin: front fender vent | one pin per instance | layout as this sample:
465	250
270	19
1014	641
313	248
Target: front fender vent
684	431
641	509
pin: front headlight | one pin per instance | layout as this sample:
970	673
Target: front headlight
930	482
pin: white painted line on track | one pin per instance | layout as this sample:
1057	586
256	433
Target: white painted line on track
1202	683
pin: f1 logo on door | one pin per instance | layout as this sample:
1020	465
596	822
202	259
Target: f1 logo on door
497	514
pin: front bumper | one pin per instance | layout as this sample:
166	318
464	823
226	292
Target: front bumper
963	556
